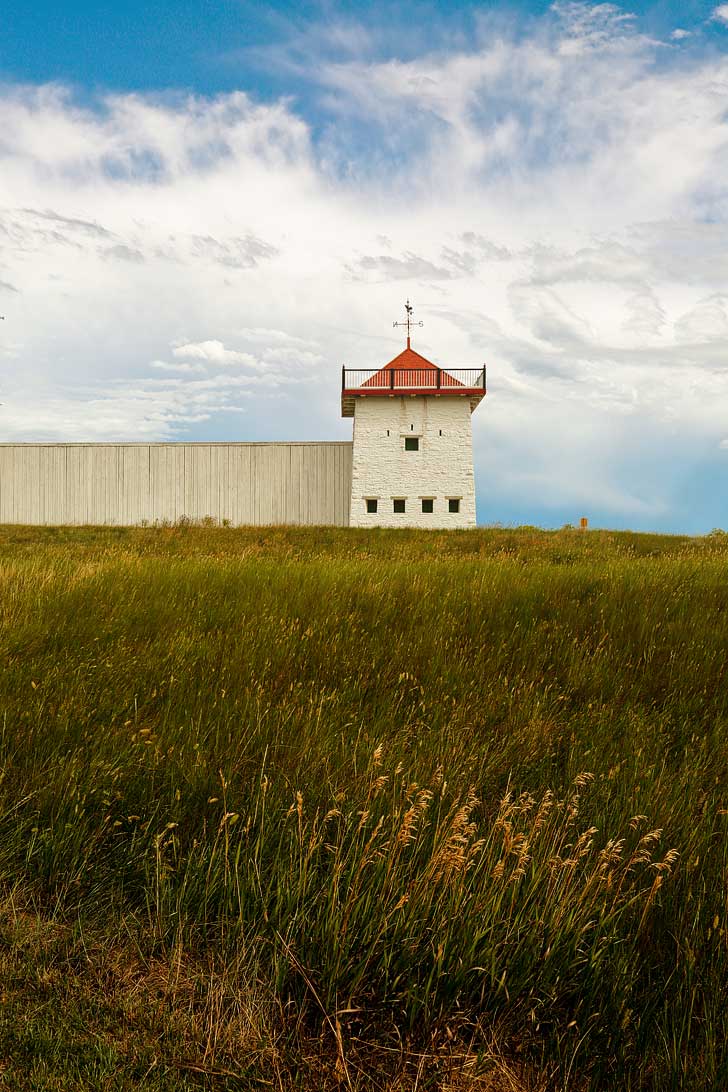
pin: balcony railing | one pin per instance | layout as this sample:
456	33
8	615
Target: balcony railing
435	379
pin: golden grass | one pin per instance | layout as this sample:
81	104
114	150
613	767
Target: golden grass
363	810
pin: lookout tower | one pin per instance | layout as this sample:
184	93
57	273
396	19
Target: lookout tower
413	448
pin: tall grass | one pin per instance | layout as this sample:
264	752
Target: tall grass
443	787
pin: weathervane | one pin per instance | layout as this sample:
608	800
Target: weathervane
409	322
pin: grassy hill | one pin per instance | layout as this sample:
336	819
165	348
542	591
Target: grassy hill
312	808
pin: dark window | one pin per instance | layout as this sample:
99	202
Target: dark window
441	432
412	443
387	432
371	504
412	428
453	505
399	504
427	504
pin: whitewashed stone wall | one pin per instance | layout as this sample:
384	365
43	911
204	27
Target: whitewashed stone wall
441	469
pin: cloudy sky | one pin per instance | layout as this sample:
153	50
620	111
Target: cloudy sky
206	209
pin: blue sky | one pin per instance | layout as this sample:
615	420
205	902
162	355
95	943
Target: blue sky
209	47
207	208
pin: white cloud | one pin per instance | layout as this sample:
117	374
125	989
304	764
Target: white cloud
265	337
177	368
557	207
594	27
148	410
606	262
678	35
720	14
386	268
646	317
706	322
292	359
214	352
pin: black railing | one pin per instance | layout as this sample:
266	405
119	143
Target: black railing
377	379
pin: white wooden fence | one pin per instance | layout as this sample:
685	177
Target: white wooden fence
305	483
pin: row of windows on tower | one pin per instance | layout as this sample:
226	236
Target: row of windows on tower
399	504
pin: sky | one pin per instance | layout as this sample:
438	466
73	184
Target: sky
206	208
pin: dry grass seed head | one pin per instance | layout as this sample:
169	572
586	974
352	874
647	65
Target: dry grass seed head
611	854
498	870
412	816
459	850
584	842
544	810
437	778
668	862
406	832
651	839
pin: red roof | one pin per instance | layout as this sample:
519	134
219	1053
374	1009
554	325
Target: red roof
414	371
408	358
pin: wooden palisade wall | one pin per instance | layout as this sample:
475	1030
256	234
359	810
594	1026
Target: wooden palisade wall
265	483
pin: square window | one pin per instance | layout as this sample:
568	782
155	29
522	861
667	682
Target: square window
371	504
427	504
398	504
412	443
453	504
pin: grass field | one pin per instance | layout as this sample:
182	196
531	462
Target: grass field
311	809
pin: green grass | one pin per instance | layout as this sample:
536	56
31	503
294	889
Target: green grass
311	808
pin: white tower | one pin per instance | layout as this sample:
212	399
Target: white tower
413	448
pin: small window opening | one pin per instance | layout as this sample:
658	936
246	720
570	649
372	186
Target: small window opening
412	428
398	504
371	505
412	443
441	432
453	504
387	432
427	504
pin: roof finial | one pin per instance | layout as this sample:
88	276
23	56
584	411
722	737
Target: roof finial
409	322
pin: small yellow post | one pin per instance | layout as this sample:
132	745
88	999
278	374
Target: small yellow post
583	523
